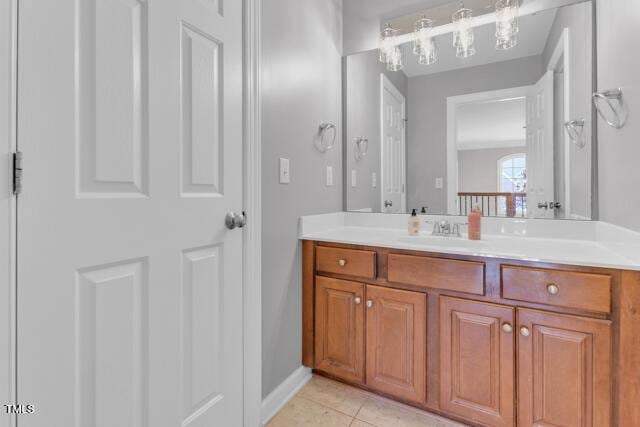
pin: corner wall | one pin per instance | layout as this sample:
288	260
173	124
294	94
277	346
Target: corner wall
619	150
301	87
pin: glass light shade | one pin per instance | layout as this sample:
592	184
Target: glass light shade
387	43
506	24
463	38
423	43
395	60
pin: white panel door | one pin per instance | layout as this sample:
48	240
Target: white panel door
130	304
393	145
540	184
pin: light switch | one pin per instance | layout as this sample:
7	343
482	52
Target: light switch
329	176
439	183
354	178
374	180
285	175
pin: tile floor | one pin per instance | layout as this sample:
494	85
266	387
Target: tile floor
326	403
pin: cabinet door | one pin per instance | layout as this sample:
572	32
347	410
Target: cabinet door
477	352
564	367
340	328
396	342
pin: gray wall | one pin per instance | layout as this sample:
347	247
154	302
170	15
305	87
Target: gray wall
619	150
427	144
301	87
362	119
578	19
478	169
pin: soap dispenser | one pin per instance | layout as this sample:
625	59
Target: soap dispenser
414	224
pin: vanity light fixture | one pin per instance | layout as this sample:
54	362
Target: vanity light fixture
424	45
506	24
390	52
463	38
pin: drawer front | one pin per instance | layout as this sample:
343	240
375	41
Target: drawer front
571	289
349	262
437	273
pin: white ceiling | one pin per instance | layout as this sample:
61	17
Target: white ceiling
534	31
492	124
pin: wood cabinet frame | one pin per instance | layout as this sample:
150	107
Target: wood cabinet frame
624	318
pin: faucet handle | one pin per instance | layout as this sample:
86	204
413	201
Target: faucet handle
456	228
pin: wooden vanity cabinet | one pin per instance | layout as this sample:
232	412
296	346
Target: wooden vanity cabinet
502	343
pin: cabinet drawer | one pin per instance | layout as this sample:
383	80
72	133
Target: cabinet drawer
349	262
437	273
571	289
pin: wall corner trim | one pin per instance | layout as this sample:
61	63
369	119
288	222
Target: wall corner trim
279	397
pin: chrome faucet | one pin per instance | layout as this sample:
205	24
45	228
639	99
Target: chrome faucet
447	229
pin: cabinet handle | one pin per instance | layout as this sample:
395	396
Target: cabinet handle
507	328
342	262
357	300
524	331
553	289
369	304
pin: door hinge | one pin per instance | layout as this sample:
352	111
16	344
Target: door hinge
17	173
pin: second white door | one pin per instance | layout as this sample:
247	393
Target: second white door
393	143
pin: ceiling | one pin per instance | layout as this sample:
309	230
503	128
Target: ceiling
491	124
534	31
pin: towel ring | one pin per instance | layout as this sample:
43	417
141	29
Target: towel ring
326	136
609	96
361	147
575	129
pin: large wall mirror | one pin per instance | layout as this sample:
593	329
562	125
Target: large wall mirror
477	104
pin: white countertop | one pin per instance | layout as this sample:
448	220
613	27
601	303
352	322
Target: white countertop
585	243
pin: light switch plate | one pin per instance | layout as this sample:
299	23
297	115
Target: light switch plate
285	173
439	183
329	176
354	178
374	180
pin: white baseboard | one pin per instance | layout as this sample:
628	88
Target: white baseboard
279	397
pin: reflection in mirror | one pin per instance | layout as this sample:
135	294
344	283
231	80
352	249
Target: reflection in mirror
486	105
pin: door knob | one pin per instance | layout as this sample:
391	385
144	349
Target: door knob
388	203
507	328
369	304
544	205
235	220
357	300
524	331
553	289
342	262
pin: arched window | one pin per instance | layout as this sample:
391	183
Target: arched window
512	173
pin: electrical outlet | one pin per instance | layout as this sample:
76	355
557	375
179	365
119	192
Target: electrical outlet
439	183
285	173
329	176
374	180
354	178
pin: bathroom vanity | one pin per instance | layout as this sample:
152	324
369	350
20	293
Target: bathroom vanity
546	336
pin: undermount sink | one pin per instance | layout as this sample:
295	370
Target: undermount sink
443	242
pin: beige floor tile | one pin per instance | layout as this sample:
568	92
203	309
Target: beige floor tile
300	412
358	423
384	413
334	395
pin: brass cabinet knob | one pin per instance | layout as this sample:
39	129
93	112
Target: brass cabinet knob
369	304
357	300
507	328
342	262
524	331
553	289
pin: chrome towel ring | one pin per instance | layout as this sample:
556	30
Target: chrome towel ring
326	136
575	130
613	100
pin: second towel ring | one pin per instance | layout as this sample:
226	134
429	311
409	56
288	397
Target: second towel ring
609	97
